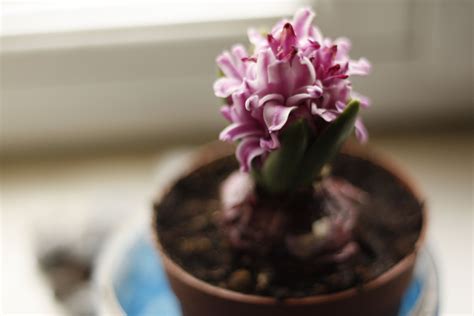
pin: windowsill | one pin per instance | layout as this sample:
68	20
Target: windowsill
82	191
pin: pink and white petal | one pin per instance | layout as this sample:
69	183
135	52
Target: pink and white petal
364	101
326	100
226	63
278	27
239	51
303	71
238	112
314	44
345	67
265	57
274	44
256	38
280	77
247	150
257	115
238	99
238	131
343	47
360	67
251	73
316	34
226	112
224	87
251	103
316	90
288	40
276	116
309	47
328	81
278	71
327	115
302	21
275	97
296	99
271	143
360	131
340	106
247	87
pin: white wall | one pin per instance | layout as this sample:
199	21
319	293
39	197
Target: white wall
136	81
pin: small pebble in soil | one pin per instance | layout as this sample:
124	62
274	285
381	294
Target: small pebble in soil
202	273
240	280
263	279
189	246
215	217
217	273
198	223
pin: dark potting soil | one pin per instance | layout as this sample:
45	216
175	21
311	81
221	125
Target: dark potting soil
387	229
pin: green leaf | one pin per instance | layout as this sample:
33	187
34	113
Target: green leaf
327	145
280	169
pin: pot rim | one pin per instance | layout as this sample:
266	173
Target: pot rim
363	152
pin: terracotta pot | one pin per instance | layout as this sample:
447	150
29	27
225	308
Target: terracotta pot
381	296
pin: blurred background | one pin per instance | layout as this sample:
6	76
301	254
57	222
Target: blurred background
95	93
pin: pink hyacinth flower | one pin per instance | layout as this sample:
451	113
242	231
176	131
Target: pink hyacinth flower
292	73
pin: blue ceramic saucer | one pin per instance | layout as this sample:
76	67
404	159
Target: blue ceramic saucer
140	286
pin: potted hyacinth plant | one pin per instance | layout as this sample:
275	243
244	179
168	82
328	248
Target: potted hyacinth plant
292	225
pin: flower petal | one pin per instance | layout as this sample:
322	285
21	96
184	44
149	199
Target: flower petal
273	43
247	150
288	41
316	34
239	51
225	111
327	115
240	54
278	27
225	62
303	71
263	61
340	106
360	131
364	101
271	143
276	116
297	98
256	38
238	111
251	103
279	77
316	90
224	87
302	21
359	68
238	131
271	97
343	47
